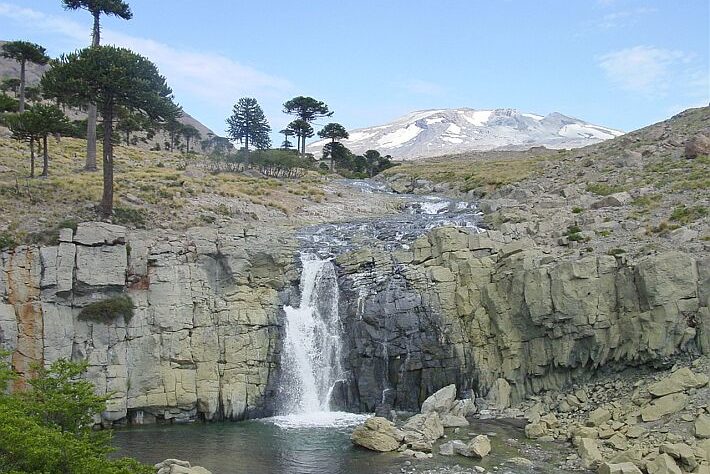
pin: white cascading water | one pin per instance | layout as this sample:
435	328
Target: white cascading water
311	357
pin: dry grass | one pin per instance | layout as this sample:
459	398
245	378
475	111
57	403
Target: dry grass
151	188
476	170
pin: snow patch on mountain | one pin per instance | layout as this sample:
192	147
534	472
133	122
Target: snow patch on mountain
425	133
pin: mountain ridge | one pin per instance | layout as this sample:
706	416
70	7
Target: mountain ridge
435	132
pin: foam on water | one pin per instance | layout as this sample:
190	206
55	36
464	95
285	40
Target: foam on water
322	419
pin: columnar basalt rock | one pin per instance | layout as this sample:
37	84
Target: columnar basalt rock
489	311
203	340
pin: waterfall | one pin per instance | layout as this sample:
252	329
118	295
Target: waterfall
311	358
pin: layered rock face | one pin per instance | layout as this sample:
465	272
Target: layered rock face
204	337
484	310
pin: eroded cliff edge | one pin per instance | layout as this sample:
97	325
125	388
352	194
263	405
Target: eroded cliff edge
485	310
477	309
203	340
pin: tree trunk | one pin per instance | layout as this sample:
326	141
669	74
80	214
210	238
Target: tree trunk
45	157
32	157
22	86
90	164
128	138
332	158
187	143
106	207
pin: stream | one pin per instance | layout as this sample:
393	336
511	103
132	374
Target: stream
305	436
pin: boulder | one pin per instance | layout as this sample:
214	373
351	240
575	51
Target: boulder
588	451
499	395
535	430
663	406
479	447
464	408
598	416
176	466
697	146
702	426
613	200
440	401
680	452
453	421
678	381
427	425
663	464
377	434
622	468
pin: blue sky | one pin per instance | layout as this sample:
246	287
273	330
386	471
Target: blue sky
617	63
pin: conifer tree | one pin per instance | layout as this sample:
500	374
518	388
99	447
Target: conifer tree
248	124
132	83
97	8
24	52
307	109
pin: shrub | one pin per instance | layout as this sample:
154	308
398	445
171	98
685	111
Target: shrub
106	311
686	215
7	240
128	216
577	210
616	252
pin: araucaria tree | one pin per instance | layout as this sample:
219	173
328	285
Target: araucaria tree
191	134
248	124
334	132
307	109
287	132
24	52
130	81
97	8
302	130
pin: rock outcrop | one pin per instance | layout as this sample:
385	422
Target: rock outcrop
497	315
203	341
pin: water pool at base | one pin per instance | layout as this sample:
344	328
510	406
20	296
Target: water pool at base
283	446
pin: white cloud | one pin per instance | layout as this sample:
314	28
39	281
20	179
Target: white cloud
207	76
650	71
624	18
418	86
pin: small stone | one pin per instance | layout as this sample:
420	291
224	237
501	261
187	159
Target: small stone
622	468
702	426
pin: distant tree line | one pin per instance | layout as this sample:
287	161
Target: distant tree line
249	126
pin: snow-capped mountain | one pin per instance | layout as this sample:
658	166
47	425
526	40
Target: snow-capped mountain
443	131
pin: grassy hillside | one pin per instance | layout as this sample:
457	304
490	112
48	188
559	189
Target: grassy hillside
152	189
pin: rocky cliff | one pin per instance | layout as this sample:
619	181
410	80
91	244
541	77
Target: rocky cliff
203	340
494	314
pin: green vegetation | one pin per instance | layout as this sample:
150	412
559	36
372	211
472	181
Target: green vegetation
577	210
248	124
616	252
574	234
679	175
132	83
685	215
307	109
468	173
129	216
47	428
24	52
603	189
106	311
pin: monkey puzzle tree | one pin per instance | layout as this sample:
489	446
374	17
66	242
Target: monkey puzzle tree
287	132
24	52
112	78
23	129
97	8
307	109
190	133
302	130
335	132
248	124
48	120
